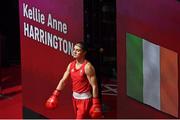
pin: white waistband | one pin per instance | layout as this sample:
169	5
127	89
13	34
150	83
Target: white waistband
82	95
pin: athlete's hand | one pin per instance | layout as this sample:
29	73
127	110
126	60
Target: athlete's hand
52	101
95	111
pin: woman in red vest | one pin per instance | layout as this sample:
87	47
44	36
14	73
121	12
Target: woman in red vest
84	85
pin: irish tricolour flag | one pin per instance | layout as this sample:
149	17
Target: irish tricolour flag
152	74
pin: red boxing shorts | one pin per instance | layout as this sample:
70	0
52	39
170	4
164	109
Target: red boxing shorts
82	104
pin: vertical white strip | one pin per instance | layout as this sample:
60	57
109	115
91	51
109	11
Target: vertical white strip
151	74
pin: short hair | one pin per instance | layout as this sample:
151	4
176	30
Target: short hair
82	45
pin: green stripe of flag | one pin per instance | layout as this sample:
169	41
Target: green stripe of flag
134	67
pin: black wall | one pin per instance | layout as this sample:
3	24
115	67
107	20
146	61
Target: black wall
9	33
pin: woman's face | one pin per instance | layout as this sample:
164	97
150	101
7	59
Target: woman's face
78	52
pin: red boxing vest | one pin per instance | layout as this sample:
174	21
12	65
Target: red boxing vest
80	82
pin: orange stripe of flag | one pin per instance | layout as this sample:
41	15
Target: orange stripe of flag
169	81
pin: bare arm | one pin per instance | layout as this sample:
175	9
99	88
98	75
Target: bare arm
90	73
63	80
